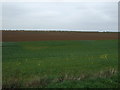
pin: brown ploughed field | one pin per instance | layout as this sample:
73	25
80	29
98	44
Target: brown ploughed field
12	36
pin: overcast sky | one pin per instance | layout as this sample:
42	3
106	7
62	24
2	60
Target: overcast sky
64	15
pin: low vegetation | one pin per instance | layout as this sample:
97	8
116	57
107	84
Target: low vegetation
60	64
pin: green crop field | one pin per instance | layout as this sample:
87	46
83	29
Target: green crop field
60	64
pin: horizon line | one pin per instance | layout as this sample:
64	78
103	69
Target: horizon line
58	30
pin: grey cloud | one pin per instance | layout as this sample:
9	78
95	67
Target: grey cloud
76	16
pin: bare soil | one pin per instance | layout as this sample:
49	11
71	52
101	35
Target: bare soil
13	36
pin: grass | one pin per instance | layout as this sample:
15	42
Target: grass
59	63
110	82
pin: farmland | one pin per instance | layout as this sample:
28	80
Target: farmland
44	63
14	36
